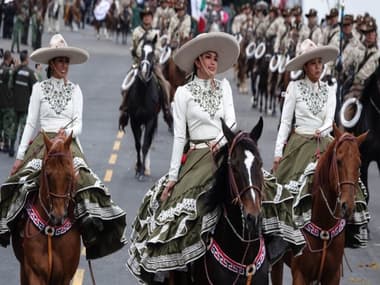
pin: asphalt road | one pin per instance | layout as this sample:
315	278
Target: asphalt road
112	156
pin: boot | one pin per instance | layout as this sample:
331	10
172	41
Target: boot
90	228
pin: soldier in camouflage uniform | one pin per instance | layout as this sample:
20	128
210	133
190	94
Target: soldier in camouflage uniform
162	16
180	25
22	83
333	28
7	115
146	30
18	27
311	31
352	49
368	63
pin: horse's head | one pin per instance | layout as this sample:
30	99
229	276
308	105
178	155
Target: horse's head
147	59
57	178
245	174
345	166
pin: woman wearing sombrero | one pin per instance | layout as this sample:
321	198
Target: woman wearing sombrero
197	109
56	105
304	134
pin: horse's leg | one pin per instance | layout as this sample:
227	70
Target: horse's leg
277	272
148	138
136	129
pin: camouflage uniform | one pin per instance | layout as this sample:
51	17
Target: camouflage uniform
7	114
161	19
310	31
179	28
368	60
17	30
22	83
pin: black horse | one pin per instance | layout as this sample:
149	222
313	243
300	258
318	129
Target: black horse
369	120
236	252
123	25
141	104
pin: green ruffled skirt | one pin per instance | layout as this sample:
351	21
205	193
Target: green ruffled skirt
170	235
92	198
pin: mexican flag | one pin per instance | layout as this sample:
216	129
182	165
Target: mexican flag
198	9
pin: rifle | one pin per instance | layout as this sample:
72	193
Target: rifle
339	60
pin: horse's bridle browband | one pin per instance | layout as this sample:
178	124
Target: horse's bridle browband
233	185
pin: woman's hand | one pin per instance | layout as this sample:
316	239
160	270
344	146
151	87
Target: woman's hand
214	147
16	166
276	162
167	191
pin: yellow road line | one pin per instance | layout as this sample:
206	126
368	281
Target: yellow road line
108	175
120	135
113	158
78	277
116	145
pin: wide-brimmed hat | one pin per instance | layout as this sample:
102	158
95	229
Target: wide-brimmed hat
308	51
225	45
312	13
369	26
348	19
334	12
57	48
146	10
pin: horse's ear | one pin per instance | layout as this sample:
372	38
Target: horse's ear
362	137
68	140
227	131
47	141
257	130
337	131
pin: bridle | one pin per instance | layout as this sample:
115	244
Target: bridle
67	196
339	184
235	191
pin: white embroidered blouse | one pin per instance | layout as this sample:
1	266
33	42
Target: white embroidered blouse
312	104
198	108
54	105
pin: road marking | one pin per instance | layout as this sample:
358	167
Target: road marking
108	175
120	135
116	145
78	277
113	158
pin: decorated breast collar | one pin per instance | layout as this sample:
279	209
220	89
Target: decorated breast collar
207	98
57	94
43	226
234	266
317	232
314	99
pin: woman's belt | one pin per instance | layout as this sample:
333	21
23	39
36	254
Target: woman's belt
200	144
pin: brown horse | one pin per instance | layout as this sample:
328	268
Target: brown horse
48	247
333	200
72	14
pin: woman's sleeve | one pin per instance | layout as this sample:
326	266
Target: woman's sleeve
179	140
286	119
31	121
330	112
76	126
229	111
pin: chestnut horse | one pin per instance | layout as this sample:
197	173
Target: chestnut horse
333	200
49	248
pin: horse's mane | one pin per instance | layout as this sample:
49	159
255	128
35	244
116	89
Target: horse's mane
322	170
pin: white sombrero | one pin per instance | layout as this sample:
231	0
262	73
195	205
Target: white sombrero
58	47
225	45
308	51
